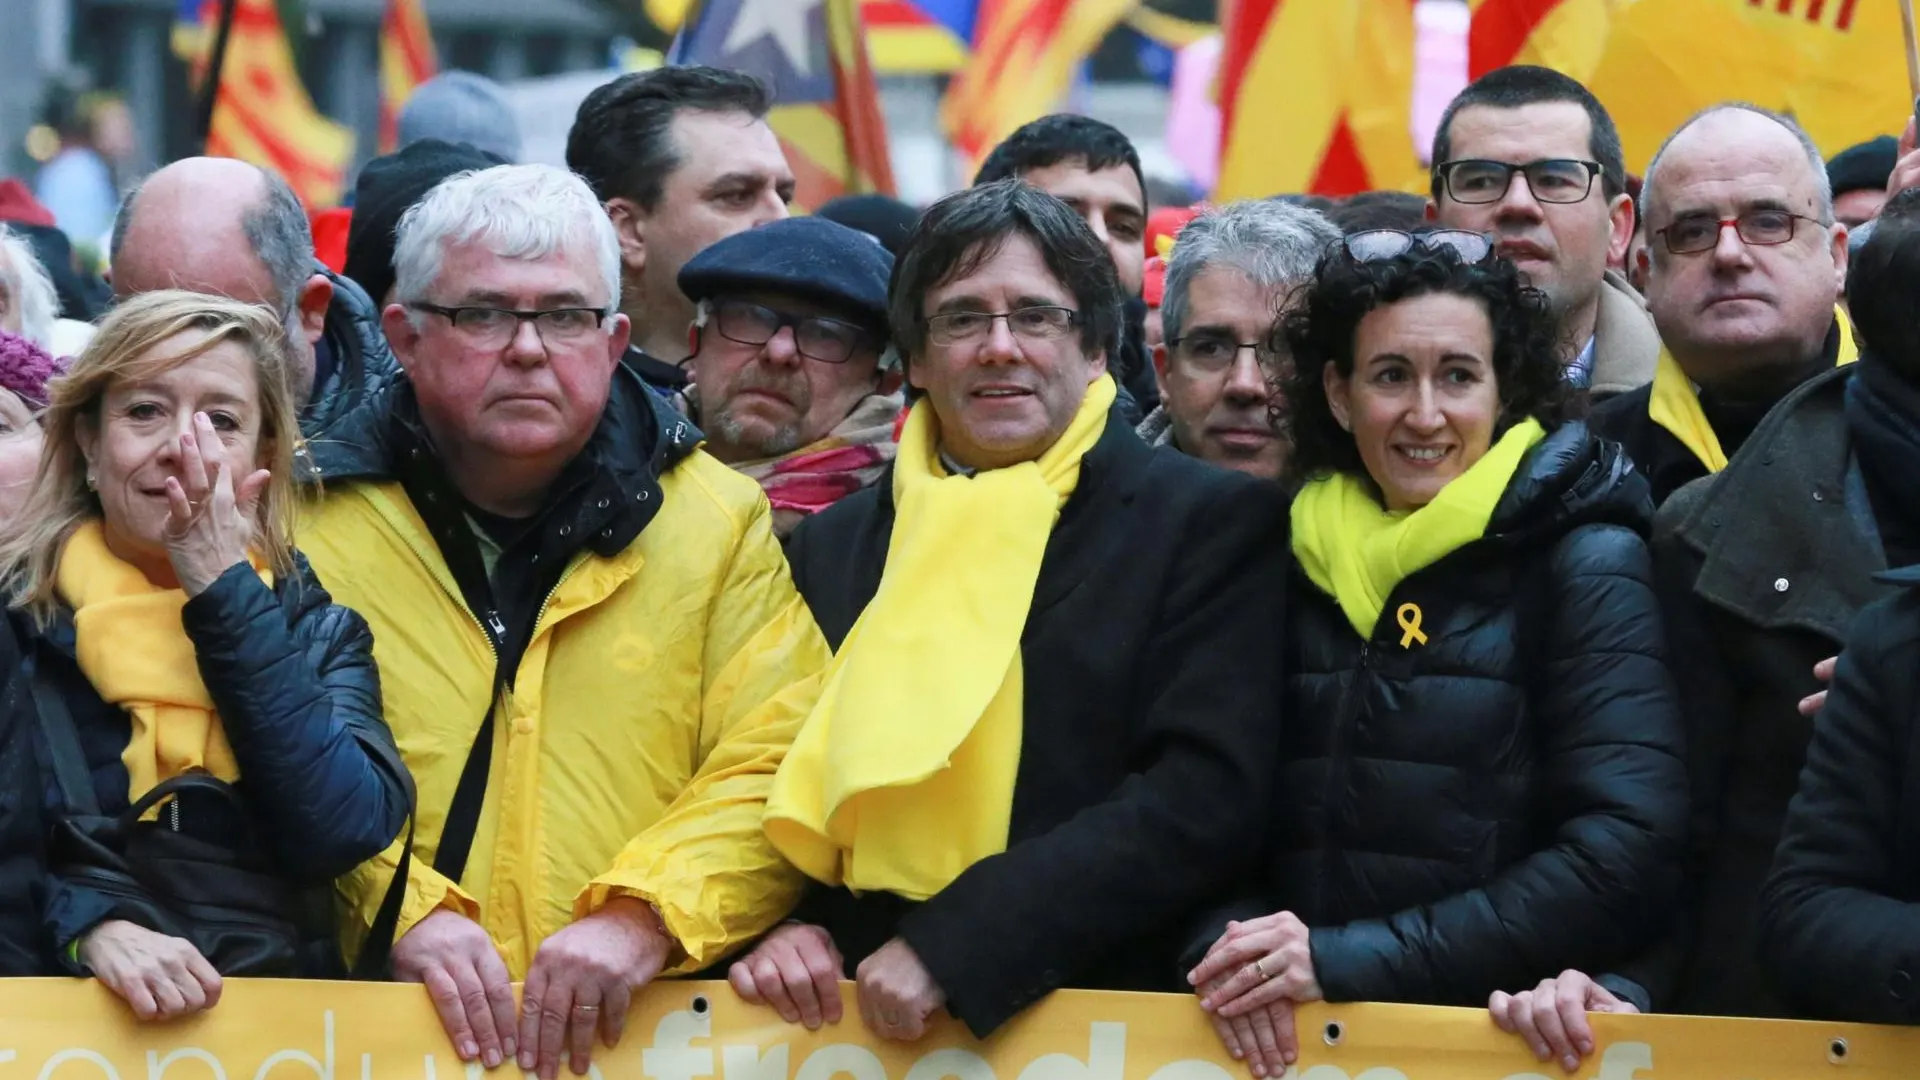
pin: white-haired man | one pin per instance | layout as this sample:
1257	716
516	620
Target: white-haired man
1228	277
593	656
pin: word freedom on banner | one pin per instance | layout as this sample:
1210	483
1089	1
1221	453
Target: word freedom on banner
278	1030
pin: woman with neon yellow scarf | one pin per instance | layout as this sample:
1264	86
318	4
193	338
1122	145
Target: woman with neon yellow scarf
1480	782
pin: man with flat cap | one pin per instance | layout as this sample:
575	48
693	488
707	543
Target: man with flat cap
790	365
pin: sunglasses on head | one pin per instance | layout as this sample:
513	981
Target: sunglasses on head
1377	244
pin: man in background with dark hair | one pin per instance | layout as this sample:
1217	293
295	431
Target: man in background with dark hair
1531	157
1094	169
681	157
1859	176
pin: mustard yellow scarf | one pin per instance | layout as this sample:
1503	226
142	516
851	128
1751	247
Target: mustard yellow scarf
134	650
1358	552
1675	404
903	776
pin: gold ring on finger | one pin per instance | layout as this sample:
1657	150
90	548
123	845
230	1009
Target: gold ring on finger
1260	969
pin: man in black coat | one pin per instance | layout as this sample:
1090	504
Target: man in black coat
1761	570
1744	263
1140	598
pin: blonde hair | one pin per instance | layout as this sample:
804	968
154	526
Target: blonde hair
61	501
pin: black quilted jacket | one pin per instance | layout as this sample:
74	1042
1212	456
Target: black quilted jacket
1506	799
293	678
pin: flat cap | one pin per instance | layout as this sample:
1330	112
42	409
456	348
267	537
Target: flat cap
808	257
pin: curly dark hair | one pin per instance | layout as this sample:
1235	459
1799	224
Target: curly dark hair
1528	367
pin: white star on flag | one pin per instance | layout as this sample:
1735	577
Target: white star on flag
785	21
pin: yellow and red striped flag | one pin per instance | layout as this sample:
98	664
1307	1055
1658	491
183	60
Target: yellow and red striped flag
1834	65
1316	96
812	55
262	112
407	59
1024	56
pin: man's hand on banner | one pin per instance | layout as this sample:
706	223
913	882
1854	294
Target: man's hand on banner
797	971
1552	1017
464	975
1264	1038
897	992
582	981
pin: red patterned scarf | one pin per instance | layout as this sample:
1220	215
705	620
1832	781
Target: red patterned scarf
814	477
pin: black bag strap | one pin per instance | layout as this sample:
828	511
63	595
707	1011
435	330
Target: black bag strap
375	950
463	816
70	770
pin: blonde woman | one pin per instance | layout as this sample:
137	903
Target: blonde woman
167	622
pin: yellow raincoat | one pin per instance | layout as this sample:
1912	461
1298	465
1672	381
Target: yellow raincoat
634	752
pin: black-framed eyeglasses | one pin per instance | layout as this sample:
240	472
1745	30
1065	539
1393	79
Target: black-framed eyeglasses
1477	181
816	337
1374	245
1042	322
492	327
1766	227
1210	352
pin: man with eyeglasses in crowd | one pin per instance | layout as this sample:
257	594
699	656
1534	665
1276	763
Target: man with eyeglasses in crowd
1049	728
591	652
1228	278
1531	158
1760	567
788	340
1744	268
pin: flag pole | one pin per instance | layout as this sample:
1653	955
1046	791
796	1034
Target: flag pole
211	96
1913	47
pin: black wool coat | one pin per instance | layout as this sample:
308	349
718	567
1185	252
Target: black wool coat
1507	799
1840	915
1152	710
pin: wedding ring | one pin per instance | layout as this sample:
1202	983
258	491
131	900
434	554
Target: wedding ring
1260	969
586	1008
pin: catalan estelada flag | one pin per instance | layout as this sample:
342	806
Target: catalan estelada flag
919	36
812	55
407	59
1834	65
262	113
1316	96
1025	53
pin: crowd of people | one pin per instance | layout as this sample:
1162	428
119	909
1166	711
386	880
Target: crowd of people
1504	599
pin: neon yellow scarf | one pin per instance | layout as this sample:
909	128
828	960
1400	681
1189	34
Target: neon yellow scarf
1675	404
1358	552
903	775
132	649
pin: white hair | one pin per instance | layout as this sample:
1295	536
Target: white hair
514	211
1822	185
30	287
1274	244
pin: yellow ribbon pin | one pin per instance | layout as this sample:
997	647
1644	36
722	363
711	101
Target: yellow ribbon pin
1409	619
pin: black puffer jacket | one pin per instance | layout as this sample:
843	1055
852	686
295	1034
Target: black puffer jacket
293	678
357	362
1506	800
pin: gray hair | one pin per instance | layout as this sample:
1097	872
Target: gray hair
516	212
1274	244
30	287
276	229
1822	186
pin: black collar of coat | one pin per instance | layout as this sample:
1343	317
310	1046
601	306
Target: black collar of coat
611	491
1777	544
1110	478
1570	479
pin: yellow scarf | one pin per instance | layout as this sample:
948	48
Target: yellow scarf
1675	404
1358	552
134	651
903	776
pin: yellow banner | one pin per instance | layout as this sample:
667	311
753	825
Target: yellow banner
269	1030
